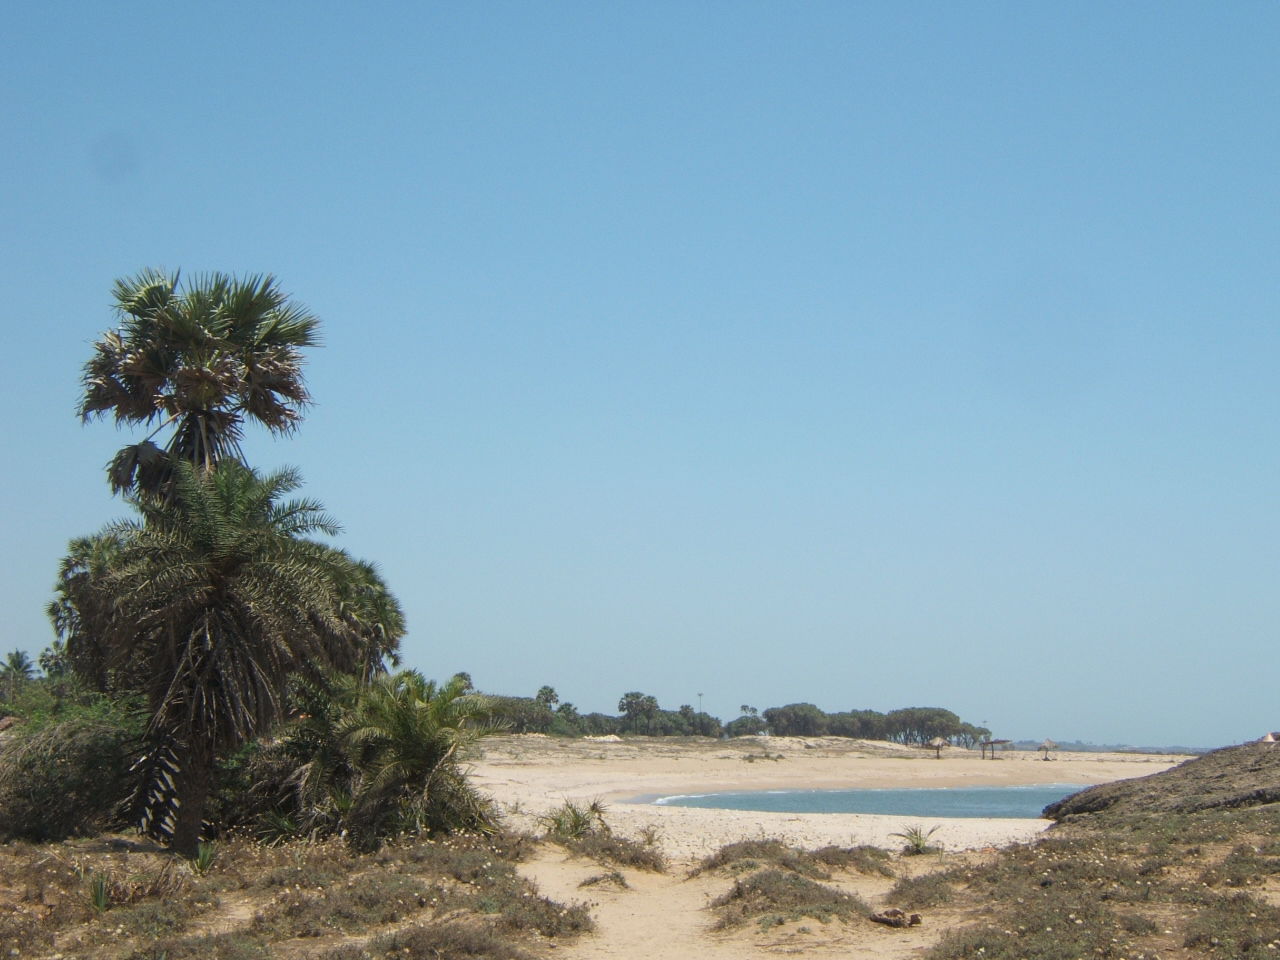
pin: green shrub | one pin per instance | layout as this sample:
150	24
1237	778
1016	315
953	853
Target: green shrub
67	777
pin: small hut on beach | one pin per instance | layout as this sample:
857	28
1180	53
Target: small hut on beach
937	743
1046	747
992	744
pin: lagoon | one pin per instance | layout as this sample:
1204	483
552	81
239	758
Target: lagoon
1021	802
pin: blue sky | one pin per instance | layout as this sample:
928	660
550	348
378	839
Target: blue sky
875	355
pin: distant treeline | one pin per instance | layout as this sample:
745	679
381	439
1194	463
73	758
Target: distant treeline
640	714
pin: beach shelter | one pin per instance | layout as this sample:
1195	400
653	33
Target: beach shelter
938	743
1046	747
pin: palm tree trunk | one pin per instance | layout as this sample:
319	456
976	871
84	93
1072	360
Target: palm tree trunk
193	795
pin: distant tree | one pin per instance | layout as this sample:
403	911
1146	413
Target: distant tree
746	726
599	724
566	722
638	708
970	736
796	720
15	673
859	724
53	660
465	677
921	724
705	725
547	696
521	714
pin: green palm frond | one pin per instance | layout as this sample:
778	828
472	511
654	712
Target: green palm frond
199	359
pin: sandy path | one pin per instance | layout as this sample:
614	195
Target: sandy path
656	917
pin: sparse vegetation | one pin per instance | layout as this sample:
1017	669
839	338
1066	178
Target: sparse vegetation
747	855
127	902
928	890
773	896
583	830
862	858
916	840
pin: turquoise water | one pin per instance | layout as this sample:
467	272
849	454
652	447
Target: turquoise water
1020	802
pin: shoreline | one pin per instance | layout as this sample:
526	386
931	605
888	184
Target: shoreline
528	775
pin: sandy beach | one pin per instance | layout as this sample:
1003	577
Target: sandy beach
528	775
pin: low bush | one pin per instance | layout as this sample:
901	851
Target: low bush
613	877
928	890
349	907
773	896
1239	926
746	855
583	830
455	940
69	777
622	851
863	859
222	946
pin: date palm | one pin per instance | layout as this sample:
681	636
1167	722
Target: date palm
196	359
404	734
208	602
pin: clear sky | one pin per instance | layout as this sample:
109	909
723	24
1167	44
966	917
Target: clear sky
869	354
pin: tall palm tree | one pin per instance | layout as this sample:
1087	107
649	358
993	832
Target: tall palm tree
197	359
208	603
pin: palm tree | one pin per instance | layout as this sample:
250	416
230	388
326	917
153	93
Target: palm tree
198	360
208	603
374	617
81	610
53	660
404	734
16	671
